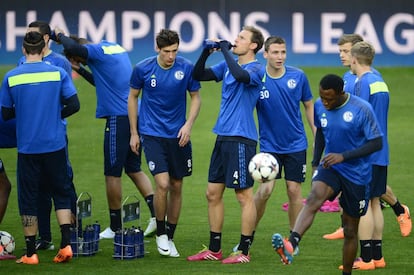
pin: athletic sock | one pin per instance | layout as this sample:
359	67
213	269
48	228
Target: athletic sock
377	249
30	245
398	209
65	232
245	243
215	241
150	203
115	219
161	230
170	227
294	239
366	250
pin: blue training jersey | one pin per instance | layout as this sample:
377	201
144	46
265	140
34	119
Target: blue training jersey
372	88
111	69
281	127
350	79
36	89
346	128
238	100
53	58
163	107
8	128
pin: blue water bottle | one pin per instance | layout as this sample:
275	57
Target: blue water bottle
129	244
86	241
96	230
140	237
74	240
210	44
118	249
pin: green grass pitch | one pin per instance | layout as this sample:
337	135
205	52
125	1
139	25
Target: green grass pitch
317	256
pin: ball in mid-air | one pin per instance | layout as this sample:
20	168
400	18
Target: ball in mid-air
263	167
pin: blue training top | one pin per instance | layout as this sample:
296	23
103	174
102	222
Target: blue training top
8	137
111	69
238	100
36	89
350	79
372	88
281	128
346	128
162	112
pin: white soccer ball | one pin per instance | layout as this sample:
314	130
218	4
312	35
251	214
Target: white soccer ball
263	167
7	242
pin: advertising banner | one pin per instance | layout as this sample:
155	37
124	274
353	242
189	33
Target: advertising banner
310	28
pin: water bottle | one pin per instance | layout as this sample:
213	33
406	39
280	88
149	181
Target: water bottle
118	249
91	232
86	241
96	229
74	240
129	245
140	241
210	44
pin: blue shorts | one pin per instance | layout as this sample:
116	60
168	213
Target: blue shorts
117	152
165	155
230	160
354	198
42	173
379	181
293	164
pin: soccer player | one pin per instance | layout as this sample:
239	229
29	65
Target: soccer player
236	139
348	131
401	211
281	129
372	88
27	91
163	81
44	242
111	69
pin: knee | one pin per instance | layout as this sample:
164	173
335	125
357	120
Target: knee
350	232
294	190
264	192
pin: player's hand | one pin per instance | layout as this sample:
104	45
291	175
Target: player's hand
331	159
134	143
184	135
56	33
224	44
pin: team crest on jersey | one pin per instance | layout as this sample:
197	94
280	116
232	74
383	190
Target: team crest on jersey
348	116
291	83
179	75
324	121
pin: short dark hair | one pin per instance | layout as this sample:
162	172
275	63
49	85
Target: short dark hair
33	42
332	81
257	37
167	38
43	26
273	40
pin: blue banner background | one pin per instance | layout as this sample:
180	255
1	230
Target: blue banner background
311	28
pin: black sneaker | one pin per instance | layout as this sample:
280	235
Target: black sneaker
44	245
